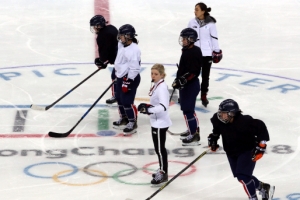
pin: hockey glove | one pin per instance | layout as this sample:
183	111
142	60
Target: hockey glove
217	56
143	108
126	84
259	151
100	64
213	142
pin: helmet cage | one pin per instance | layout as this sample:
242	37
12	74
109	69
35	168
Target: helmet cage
189	41
230	115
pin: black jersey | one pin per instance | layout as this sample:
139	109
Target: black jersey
190	61
241	135
107	43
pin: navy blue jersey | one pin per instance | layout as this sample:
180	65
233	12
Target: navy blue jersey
190	62
241	135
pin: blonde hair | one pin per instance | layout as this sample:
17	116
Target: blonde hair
160	68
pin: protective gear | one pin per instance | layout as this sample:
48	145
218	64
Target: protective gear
97	22
213	142
143	108
126	84
217	56
259	151
230	107
181	81
190	35
128	31
100	64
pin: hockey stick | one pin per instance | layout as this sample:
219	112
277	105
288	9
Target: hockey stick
36	107
172	133
60	135
167	183
171	95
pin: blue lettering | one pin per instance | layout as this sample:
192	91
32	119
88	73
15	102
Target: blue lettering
58	72
284	88
255	80
225	76
37	73
8	75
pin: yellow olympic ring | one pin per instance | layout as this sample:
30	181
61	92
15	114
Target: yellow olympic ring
55	177
141	99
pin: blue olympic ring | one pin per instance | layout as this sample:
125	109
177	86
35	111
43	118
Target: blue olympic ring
26	170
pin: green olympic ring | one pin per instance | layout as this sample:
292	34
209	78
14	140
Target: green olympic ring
116	177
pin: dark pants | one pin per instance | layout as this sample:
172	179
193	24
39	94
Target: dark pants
242	168
126	100
188	95
159	140
207	61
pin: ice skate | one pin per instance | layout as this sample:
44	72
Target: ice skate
130	128
111	102
266	191
159	179
191	140
204	100
184	134
121	123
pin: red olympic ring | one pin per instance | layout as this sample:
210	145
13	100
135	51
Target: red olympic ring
192	168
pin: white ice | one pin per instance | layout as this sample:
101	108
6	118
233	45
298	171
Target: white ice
47	48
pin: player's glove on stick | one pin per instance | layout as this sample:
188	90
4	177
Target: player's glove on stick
259	151
100	64
213	142
126	84
143	108
217	56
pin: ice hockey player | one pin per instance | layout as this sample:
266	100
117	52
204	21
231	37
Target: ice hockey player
127	67
159	119
188	84
244	141
107	47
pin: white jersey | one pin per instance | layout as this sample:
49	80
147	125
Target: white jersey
128	61
207	35
160	100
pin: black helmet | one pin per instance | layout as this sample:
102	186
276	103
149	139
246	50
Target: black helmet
190	34
98	20
127	30
229	106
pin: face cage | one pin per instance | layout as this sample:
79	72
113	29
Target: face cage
92	28
230	115
180	41
127	37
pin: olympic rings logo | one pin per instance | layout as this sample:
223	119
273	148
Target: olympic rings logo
97	174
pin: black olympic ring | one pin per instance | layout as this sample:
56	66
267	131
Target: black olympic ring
87	171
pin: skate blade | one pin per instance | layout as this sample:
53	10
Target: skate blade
272	190
129	133
191	144
119	127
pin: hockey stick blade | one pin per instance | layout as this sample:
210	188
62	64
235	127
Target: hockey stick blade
171	133
61	135
36	107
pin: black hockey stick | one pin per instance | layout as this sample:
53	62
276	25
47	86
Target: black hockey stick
36	107
60	135
167	183
171	95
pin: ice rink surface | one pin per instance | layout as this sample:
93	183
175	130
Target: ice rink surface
47	48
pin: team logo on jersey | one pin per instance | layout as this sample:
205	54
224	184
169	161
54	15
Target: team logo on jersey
154	132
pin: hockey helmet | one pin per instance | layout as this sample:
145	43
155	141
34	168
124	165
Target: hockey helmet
230	107
190	34
127	30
